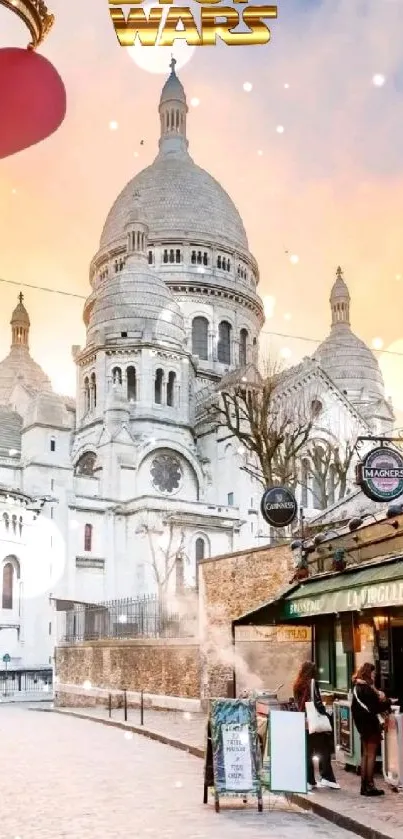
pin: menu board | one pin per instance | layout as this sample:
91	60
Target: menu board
233	756
343	726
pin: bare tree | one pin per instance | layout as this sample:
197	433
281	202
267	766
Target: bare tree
165	559
342	459
330	463
270	424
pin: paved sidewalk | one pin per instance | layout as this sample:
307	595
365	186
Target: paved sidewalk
65	778
370	818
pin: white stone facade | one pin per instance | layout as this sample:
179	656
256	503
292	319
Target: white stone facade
138	485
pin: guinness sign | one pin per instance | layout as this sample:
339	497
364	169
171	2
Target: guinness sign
380	475
278	506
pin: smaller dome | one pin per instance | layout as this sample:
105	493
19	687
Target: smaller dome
136	301
343	356
173	90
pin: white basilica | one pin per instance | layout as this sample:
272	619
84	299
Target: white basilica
122	493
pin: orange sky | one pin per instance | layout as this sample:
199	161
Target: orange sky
329	188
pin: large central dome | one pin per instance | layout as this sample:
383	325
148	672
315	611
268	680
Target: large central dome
179	198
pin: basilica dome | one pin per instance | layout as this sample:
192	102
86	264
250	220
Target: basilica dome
135	301
179	198
19	367
344	357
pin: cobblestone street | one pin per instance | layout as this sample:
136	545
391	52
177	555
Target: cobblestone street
65	778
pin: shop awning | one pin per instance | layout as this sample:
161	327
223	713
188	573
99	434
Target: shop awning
375	586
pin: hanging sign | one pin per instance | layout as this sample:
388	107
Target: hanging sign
278	506
380	474
232	756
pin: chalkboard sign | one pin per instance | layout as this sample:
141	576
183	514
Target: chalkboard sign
233	760
343	727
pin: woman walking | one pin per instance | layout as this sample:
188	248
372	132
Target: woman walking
306	689
368	703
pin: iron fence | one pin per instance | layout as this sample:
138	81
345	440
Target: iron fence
146	617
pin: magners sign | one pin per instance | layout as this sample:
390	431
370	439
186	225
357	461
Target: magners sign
380	474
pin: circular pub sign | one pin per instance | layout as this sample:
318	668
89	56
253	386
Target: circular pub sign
380	475
278	506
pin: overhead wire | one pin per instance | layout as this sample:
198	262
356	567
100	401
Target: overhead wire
270	332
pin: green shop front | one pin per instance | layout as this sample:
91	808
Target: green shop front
354	616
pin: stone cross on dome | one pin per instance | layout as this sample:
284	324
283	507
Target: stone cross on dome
20	296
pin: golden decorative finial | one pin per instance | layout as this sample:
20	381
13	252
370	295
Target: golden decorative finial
35	15
173	63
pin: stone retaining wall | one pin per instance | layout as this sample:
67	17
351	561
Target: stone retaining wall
165	668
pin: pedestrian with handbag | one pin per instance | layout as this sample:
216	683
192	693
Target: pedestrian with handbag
367	707
318	725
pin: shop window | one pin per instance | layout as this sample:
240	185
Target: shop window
341	662
324	645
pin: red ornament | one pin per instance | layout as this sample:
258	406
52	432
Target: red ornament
32	100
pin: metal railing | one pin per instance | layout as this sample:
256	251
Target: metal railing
146	617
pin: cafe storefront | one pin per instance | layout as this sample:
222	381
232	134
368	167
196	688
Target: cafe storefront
355	616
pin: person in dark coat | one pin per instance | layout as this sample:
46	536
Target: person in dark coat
367	704
319	745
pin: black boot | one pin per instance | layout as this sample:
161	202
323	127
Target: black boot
372	792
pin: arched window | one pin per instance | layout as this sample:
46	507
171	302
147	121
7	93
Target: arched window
116	376
218	261
93	391
86	464
178	256
53	444
224	342
200	547
171	389
88	537
172	255
205	258
11	570
228	265
193	258
200	337
165	256
86	394
158	386
150	257
199	257
224	264
243	341
131	384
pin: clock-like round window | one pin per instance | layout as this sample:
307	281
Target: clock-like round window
166	473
